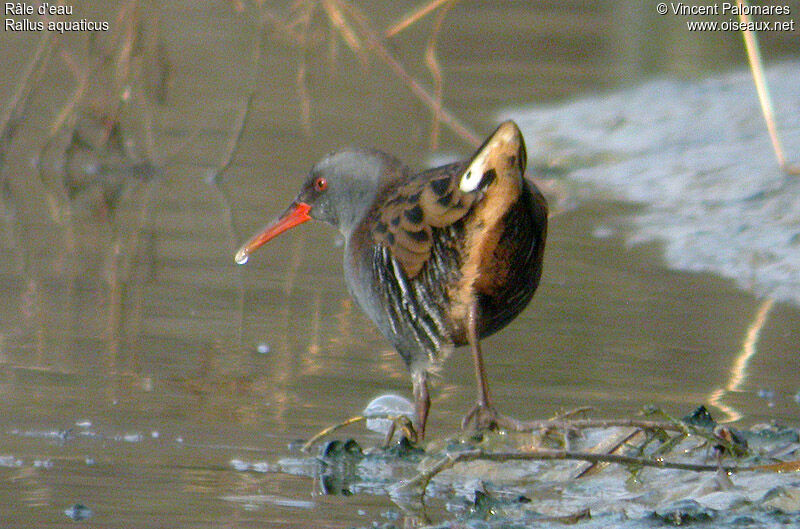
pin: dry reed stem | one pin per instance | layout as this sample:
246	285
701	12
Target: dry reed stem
764	98
436	71
354	28
234	140
14	108
337	19
375	44
214	177
17	105
414	17
68	110
231	232
304	21
124	265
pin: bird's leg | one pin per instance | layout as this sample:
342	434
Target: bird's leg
477	356
486	417
422	401
482	411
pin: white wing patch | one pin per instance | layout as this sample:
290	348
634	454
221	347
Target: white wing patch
506	137
474	173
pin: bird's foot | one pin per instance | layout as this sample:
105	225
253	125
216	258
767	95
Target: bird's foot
485	417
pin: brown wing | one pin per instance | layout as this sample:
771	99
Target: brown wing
439	197
429	200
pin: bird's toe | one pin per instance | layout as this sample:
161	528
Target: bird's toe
486	417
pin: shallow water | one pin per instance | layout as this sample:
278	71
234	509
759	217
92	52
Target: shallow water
137	361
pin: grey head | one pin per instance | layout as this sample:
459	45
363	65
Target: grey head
340	189
342	186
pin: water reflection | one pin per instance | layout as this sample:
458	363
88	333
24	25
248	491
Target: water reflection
738	374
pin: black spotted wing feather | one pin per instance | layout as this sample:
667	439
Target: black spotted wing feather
436	244
409	217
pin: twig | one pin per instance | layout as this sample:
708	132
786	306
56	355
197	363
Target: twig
527	426
399	420
690	429
355	30
609	446
329	430
572	413
450	460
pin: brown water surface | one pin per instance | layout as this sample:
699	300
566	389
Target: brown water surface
137	360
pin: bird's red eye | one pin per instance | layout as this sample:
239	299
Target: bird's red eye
320	184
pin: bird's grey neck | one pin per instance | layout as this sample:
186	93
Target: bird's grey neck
358	207
367	171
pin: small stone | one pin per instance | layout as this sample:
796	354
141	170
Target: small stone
388	404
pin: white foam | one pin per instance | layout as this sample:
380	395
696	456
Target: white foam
697	156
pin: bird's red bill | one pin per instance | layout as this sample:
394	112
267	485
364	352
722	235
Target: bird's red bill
296	214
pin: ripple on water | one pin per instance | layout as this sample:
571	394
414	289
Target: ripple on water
78	512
